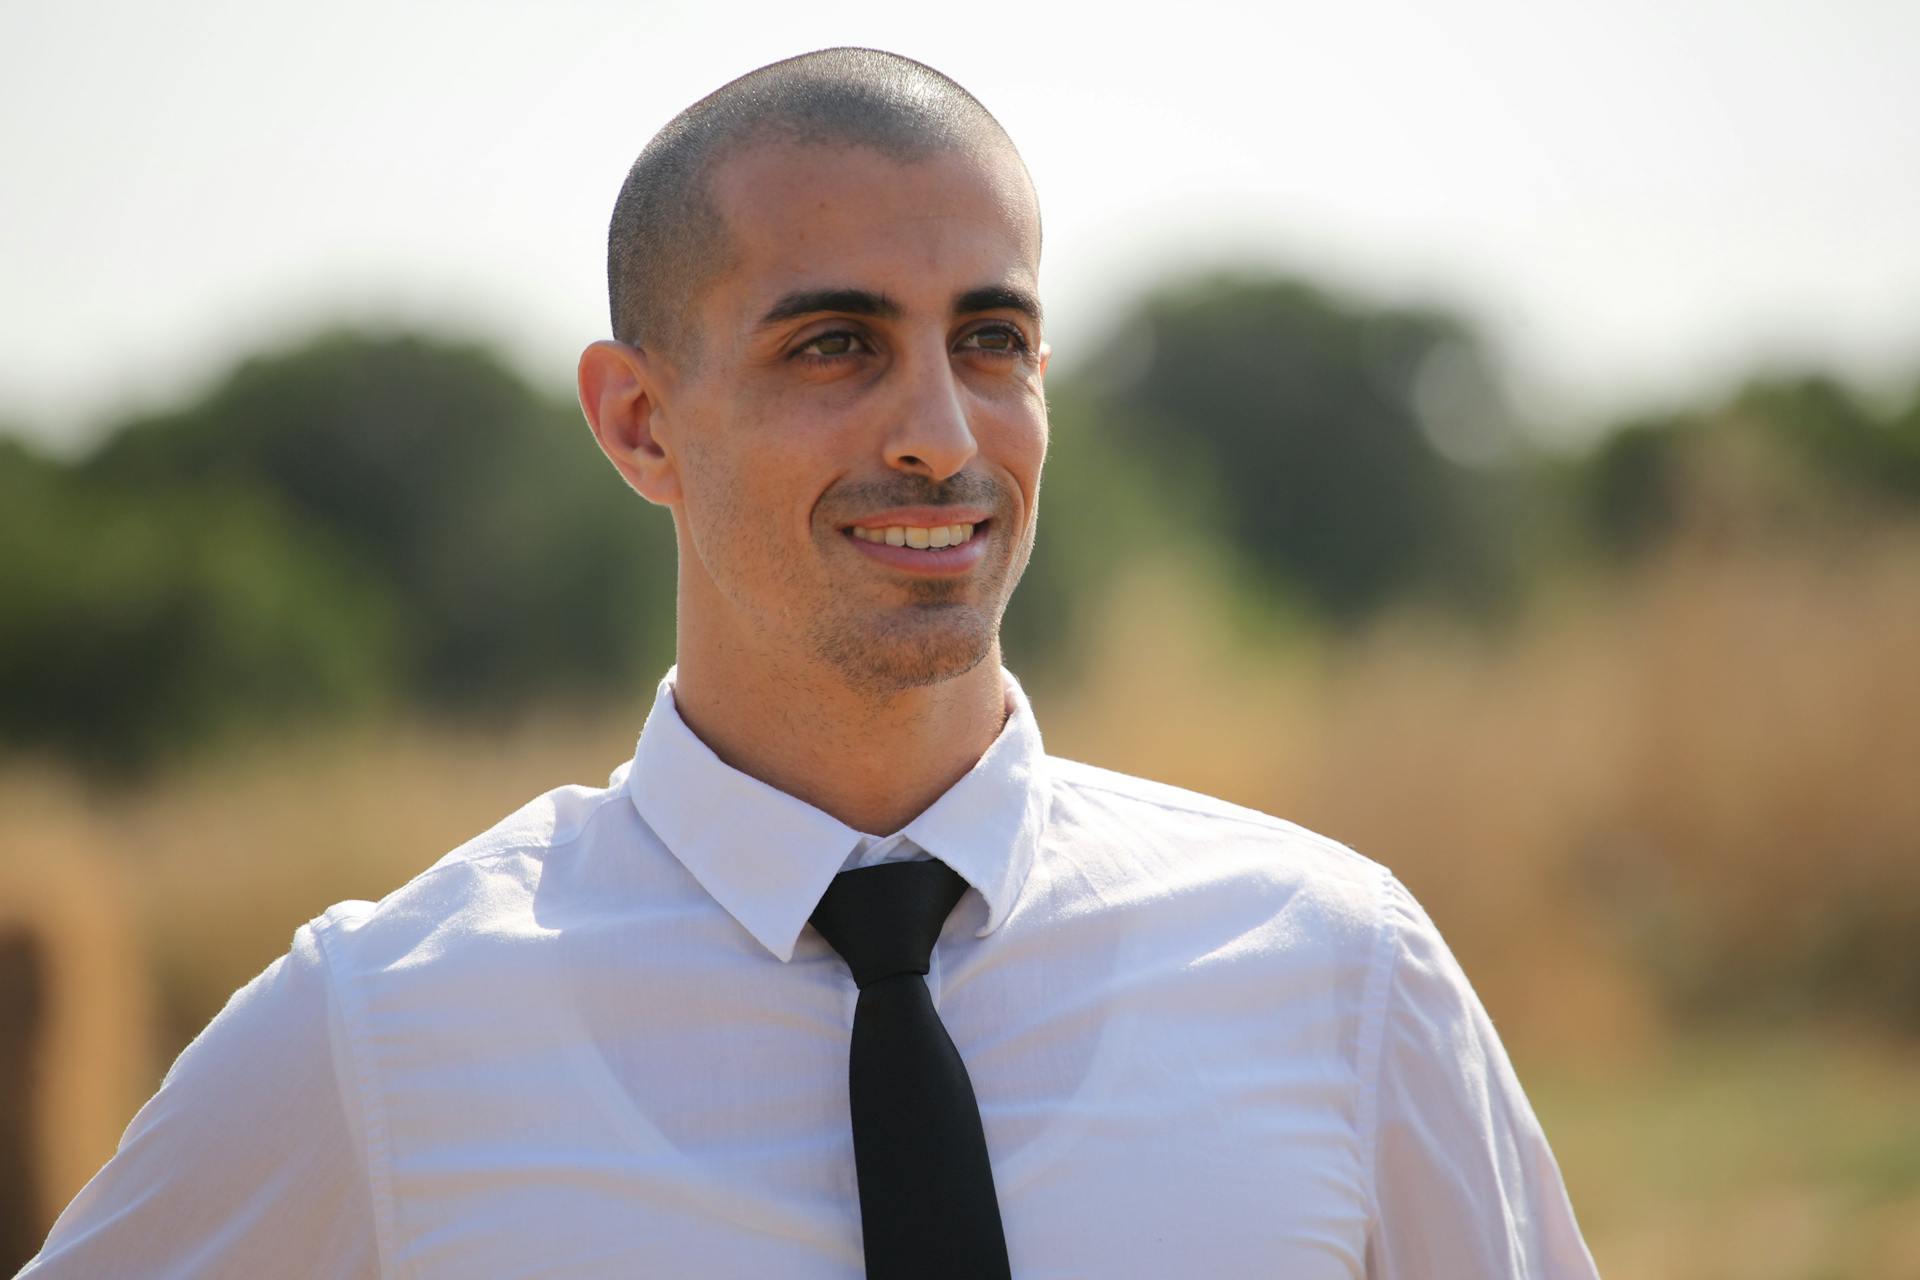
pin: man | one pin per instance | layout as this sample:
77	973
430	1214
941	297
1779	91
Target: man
1157	1035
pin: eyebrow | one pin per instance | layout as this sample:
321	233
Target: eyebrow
998	297
853	302
865	302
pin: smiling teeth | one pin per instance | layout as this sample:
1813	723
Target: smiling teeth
924	538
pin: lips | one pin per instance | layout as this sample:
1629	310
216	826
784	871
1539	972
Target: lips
919	537
928	550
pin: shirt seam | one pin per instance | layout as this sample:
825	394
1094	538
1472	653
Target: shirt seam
483	851
1373	1019
366	1100
1251	817
362	1093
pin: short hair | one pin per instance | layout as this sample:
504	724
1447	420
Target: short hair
667	237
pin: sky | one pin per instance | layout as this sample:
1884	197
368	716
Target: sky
1637	201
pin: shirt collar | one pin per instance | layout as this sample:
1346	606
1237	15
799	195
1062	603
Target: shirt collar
767	857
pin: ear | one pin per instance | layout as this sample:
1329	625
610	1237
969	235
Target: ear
1046	355
619	393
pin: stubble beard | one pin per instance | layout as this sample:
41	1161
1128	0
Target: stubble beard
945	627
936	636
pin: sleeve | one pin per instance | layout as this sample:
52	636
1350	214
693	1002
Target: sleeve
1465	1187
247	1160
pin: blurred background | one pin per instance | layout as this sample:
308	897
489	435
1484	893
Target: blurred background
1503	421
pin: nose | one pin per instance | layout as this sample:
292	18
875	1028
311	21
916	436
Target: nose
931	434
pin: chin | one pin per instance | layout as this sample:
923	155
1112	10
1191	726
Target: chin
899	656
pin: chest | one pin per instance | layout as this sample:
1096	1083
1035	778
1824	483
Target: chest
1144	1120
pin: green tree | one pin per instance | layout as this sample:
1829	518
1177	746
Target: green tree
522	567
140	622
1304	418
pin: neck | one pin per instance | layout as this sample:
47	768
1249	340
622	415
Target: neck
875	762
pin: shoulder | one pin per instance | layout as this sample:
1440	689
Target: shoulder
250	1152
496	885
1173	846
1157	813
546	826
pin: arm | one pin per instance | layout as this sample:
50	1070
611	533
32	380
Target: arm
1464	1183
245	1163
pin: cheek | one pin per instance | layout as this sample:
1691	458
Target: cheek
1023	450
706	478
1037	441
715	503
748	486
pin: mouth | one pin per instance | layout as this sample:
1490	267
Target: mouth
916	545
919	537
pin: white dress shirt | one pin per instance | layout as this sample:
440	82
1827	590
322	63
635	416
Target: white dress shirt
601	1040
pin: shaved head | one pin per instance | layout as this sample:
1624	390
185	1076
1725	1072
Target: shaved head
668	238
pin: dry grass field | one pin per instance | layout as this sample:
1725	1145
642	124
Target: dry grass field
1670	824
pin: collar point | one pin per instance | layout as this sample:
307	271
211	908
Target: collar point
994	920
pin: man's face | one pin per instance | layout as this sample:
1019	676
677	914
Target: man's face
866	372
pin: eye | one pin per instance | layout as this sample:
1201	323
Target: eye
834	345
996	339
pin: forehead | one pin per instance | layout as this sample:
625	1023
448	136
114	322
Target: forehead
814	215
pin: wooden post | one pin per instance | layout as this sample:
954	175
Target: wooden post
22	1001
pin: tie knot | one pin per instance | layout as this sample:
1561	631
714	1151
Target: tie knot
884	920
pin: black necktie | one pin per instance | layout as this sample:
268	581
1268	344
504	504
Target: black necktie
927	1208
